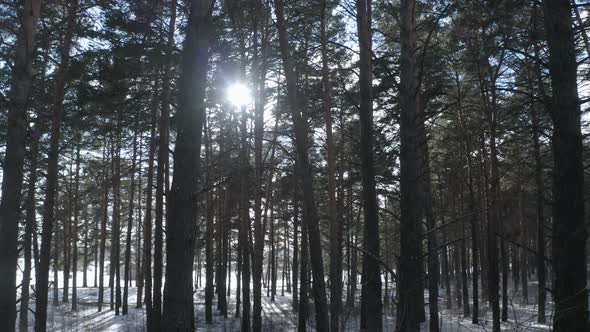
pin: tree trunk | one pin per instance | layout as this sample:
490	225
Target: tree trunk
115	259
147	224
295	249
52	172
410	289
304	172
75	228
30	221
371	306
303	300
259	79
539	185
138	230
244	223
209	229
569	233
523	251
161	173
182	212
446	277
127	274
333	221
103	226
12	179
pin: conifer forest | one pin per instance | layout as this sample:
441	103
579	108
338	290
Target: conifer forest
294	165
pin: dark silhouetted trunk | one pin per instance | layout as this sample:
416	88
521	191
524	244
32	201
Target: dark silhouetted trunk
333	220
371	306
30	220
569	233
245	223
147	224
12	171
182	211
52	171
127	274
304	171
76	205
209	229
303	290
103	226
410	263
138	232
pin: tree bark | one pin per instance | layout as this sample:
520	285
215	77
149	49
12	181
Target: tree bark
410	290
52	171
127	273
182	211
103	226
569	233
209	230
30	220
304	172
76	204
147	224
245	223
12	179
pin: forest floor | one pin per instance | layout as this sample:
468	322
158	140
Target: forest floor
277	315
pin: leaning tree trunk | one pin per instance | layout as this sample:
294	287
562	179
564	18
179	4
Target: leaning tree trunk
12	179
569	233
52	172
182	212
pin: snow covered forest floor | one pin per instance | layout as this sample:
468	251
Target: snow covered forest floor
277	315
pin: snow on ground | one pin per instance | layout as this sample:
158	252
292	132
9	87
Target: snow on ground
277	315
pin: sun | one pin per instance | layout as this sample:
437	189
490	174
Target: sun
239	95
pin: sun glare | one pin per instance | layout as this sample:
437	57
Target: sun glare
239	95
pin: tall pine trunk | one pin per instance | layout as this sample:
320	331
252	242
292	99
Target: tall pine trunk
304	171
147	224
75	239
30	220
410	289
569	233
182	212
12	179
52	171
103	226
127	274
